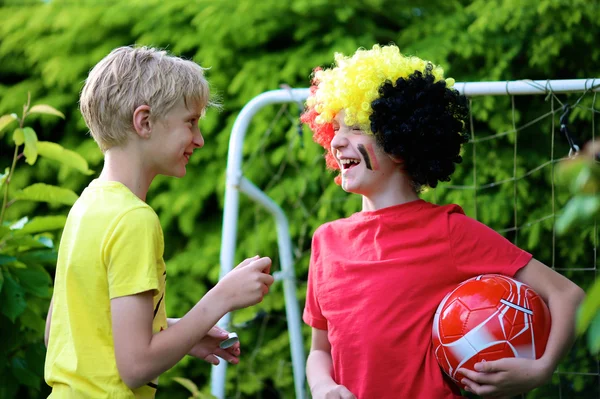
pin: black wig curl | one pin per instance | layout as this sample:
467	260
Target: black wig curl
423	123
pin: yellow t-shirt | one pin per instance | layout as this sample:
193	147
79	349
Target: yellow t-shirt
112	246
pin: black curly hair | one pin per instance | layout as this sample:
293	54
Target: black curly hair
422	122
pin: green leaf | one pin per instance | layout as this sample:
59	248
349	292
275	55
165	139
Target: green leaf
45	109
581	175
581	210
44	223
8	385
34	280
29	319
589	308
6	120
18	136
19	224
4	176
35	354
45	241
1	280
4	231
42	192
7	260
21	372
189	385
13	299
593	335
24	242
69	158
9	337
568	170
38	256
30	152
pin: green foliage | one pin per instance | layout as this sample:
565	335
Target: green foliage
254	46
26	251
581	175
190	386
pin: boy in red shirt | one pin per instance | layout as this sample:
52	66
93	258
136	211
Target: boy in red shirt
392	125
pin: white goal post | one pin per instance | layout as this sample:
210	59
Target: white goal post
236	183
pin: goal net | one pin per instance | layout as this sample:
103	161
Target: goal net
519	132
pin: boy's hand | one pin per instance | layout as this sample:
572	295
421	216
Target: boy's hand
247	284
506	377
331	391
208	348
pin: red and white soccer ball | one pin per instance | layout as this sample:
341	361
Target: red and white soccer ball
489	317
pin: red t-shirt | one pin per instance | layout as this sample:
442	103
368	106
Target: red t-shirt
375	281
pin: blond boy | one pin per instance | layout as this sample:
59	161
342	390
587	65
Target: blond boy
107	332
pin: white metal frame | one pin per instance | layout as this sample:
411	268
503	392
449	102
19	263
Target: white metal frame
236	183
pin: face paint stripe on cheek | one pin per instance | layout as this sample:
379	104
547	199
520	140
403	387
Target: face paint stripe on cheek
365	155
373	155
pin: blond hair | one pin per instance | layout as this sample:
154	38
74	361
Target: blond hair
132	76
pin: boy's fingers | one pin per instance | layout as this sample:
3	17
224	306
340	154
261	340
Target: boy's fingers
217	332
234	349
221	330
227	356
212	359
262	264
266	279
470	374
479	378
494	365
247	261
267	269
470	385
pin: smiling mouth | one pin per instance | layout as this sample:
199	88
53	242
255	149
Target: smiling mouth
348	163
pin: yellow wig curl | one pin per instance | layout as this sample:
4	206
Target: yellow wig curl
354	83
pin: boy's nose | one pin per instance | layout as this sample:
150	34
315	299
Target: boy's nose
198	140
338	141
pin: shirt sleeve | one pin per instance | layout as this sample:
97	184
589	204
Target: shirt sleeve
478	249
131	253
312	310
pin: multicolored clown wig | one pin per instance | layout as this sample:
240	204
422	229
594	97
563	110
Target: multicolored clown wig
405	102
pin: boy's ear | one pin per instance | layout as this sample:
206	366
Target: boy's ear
396	159
141	121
